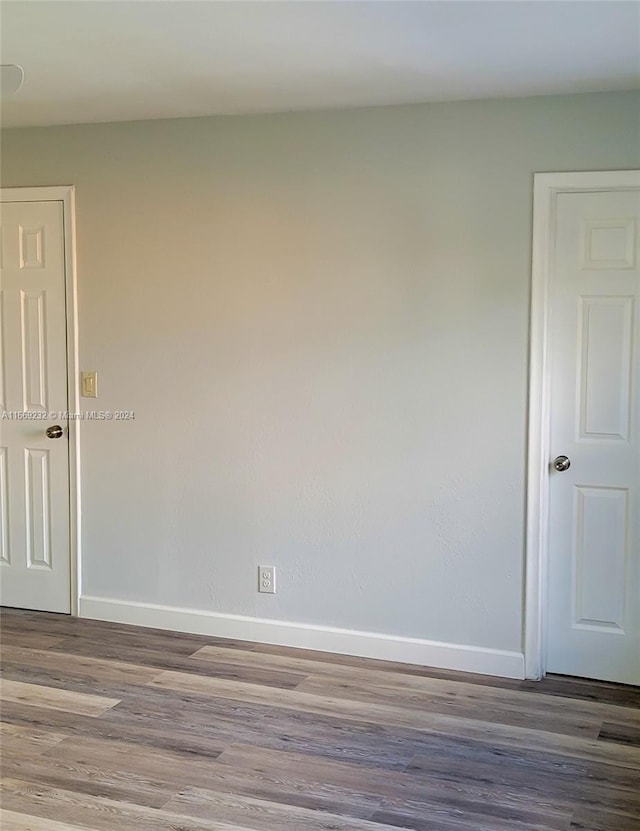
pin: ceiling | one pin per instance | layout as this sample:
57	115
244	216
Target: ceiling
93	61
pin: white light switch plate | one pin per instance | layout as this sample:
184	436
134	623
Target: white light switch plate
89	384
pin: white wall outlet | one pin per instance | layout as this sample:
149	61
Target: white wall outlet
89	384
267	579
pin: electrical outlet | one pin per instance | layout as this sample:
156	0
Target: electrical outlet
267	579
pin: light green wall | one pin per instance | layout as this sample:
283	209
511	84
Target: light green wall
321	322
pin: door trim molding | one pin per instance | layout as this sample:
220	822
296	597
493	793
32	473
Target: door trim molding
546	188
66	195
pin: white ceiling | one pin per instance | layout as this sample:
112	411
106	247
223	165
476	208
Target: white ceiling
94	61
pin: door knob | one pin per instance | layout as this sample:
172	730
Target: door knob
54	432
561	463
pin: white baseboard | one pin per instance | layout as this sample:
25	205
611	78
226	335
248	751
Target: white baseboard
307	636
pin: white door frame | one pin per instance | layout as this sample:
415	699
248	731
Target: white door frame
546	188
66	195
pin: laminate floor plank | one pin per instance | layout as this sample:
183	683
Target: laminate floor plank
443	821
33	640
24	742
56	699
69	681
582	689
262	815
493	812
108	727
167	766
620	733
600	819
99	813
11	821
292	790
94	669
124	785
564	784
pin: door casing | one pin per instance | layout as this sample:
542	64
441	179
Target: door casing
66	195
546	188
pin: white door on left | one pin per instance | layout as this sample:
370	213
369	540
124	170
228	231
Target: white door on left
34	468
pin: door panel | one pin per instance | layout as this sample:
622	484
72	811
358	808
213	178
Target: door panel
34	469
594	540
601	557
605	355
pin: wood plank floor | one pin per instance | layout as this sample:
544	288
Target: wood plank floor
114	727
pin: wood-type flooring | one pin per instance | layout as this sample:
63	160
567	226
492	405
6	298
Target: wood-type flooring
106	726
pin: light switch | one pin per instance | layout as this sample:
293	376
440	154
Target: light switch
89	384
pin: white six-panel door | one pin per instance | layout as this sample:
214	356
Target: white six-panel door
34	469
593	622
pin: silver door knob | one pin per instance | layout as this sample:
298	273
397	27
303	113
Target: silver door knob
54	432
562	463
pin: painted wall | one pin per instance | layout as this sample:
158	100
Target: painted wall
321	323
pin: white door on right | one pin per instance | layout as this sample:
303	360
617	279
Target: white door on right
593	619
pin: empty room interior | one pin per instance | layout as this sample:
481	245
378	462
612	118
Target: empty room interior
320	415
